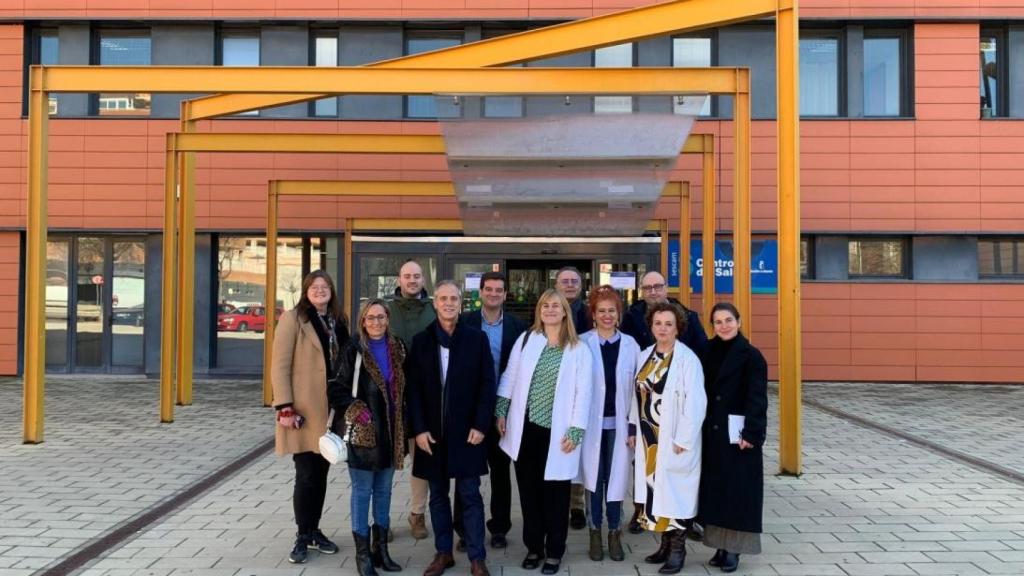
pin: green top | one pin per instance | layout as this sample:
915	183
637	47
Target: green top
541	398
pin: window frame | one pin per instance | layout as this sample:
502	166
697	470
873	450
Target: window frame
414	34
905	257
712	36
1002	36
906	74
842	79
634	63
1018	246
96	35
314	35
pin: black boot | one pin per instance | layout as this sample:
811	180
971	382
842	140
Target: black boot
676	553
662	554
730	562
379	550
364	564
716	560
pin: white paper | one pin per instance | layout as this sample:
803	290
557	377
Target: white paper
623	280
473	281
735	427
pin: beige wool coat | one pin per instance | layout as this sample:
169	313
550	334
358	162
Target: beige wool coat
300	378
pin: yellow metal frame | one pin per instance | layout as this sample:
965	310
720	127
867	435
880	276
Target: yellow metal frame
439	72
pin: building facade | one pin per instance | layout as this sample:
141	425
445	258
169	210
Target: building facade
912	175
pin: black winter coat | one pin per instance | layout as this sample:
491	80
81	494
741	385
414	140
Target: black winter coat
511	328
466	401
732	480
634	323
372	391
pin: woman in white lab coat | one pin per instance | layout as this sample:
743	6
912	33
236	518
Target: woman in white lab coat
667	413
607	459
542	410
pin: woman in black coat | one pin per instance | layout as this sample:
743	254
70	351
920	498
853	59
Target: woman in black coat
374	417
732	480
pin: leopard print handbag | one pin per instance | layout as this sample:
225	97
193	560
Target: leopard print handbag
358	418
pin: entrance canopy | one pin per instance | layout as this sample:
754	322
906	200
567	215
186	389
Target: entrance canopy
565	174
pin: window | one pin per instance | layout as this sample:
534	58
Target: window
502	106
424	106
806	248
883	72
1002	257
692	53
325	53
819	75
240	48
992	70
620	56
124	48
49	54
878	258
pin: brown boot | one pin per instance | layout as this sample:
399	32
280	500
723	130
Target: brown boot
418	526
615	551
442	562
596	552
479	568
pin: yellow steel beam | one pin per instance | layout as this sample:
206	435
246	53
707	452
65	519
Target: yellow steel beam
270	294
663	233
35	266
168	281
627	26
710	226
186	274
336	143
741	211
684	244
788	173
364	188
313	80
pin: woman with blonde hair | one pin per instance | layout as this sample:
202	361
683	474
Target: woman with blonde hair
543	410
374	414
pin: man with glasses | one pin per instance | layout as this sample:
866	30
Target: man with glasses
654	289
569	283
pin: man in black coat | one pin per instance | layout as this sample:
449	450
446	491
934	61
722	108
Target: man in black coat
451	392
502	330
654	289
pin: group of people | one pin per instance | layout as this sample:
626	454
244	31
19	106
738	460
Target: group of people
589	403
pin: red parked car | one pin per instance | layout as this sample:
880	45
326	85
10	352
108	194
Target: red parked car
244	319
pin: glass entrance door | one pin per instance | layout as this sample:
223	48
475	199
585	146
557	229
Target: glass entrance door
467	271
95	304
528	279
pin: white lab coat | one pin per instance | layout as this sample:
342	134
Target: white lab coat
625	384
683	404
571	406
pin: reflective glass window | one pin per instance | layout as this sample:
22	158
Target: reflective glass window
49	54
241	48
989	71
877	257
378	275
819	76
424	106
619	56
58	269
325	54
1004	257
124	48
692	53
882	76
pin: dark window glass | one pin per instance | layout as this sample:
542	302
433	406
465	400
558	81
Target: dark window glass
882	76
1001	257
124	48
423	106
819	76
805	258
991	101
883	258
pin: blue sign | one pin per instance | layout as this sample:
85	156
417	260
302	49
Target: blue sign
764	266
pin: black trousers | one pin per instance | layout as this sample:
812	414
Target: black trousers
310	490
545	503
500	466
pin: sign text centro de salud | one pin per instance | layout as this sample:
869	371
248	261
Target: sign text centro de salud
764	258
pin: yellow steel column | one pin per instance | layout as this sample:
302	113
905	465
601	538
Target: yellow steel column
684	243
347	304
663	231
270	294
168	280
787	36
186	268
708	233
35	260
741	202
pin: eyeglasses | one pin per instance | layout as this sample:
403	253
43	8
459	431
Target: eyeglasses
653	287
315	288
376	318
569	281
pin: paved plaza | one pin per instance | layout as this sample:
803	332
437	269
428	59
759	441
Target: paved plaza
870	502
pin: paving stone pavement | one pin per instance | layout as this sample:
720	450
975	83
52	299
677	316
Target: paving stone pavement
867	503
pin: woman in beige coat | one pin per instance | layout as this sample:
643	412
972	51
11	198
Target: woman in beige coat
307	349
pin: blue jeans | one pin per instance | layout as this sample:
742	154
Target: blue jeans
467	490
367	484
598	497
